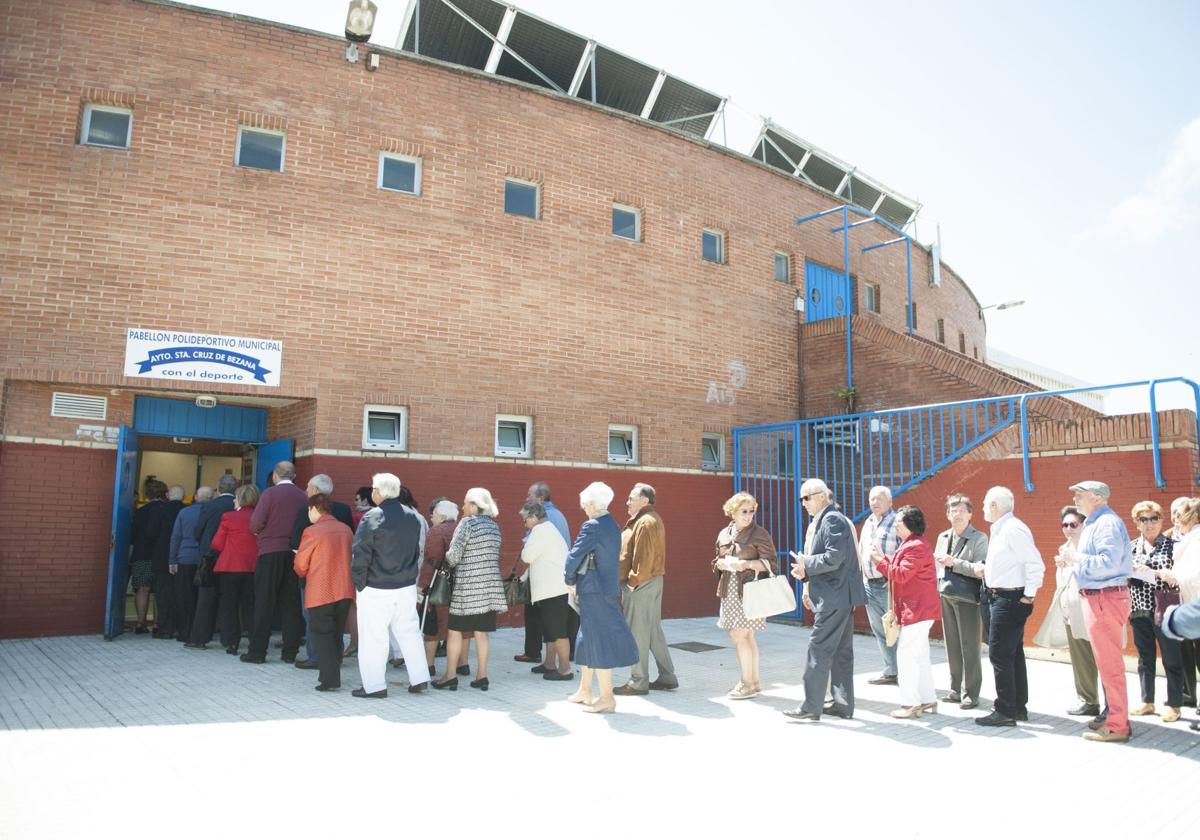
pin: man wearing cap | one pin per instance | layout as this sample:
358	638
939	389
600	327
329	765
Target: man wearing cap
1104	562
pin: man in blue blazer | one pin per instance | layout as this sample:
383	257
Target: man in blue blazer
829	566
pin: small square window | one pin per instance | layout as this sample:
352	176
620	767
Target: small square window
399	173
783	267
259	149
627	223
712	246
622	444
385	427
522	198
514	436
871	295
939	330
106	126
712	452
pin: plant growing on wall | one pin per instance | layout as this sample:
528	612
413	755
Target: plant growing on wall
846	395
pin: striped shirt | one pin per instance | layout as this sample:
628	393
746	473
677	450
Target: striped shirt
474	554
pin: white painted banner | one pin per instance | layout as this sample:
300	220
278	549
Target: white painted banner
196	357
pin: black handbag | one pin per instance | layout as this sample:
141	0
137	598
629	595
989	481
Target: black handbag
441	587
205	576
960	587
516	591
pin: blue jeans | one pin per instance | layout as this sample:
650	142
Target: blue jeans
877	604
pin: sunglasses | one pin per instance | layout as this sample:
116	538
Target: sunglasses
1145	519
809	496
1070	524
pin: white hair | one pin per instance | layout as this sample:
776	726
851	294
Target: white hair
815	485
386	484
1002	496
446	509
483	500
879	488
203	494
175	492
323	484
597	494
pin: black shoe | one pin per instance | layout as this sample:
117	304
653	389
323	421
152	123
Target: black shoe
289	658
193	646
1023	715
884	679
140	629
1096	723
362	692
538	669
659	685
419	688
232	650
629	690
450	685
441	650
463	670
162	634
995	719
798	713
1194	726
254	660
323	687
1084	710
307	665
481	684
555	675
837	711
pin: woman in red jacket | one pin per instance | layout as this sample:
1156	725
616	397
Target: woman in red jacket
913	575
238	556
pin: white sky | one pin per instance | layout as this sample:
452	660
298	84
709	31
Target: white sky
1056	144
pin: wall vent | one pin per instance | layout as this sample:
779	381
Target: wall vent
79	406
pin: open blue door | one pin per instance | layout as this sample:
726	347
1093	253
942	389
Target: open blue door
124	487
826	291
270	454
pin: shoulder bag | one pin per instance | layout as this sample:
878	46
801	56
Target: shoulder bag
441	587
205	576
768	596
516	591
891	624
960	587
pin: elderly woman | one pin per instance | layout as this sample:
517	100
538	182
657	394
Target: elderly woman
443	516
323	560
234	569
592	571
545	553
912	573
961	551
478	593
1070	614
1186	571
1152	553
744	550
1189	648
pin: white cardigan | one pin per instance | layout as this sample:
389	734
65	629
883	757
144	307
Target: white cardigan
545	553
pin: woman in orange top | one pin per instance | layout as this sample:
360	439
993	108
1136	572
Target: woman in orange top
323	560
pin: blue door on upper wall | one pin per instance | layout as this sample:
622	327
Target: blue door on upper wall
826	295
270	454
124	491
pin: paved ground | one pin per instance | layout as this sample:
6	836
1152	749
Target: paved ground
140	737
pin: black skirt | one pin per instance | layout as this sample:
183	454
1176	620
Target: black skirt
481	623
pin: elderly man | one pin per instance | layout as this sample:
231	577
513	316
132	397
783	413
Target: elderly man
829	565
1103	562
540	492
323	484
208	519
643	565
1013	571
165	613
879	532
388	547
275	581
185	555
961	552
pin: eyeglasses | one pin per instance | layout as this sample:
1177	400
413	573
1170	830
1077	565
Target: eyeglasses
809	496
1070	524
745	511
1145	519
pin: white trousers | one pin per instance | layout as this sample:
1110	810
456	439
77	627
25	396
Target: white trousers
385	614
915	673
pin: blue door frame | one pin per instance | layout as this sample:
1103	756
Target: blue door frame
124	490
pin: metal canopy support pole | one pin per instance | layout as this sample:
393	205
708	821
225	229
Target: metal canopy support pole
846	291
417	30
908	269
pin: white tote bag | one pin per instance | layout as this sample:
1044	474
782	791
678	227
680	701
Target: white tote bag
769	596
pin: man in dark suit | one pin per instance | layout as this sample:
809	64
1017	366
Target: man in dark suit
320	483
205	622
829	566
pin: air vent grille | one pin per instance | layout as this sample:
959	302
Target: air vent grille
79	406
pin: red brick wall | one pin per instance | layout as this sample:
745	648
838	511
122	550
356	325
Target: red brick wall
55	522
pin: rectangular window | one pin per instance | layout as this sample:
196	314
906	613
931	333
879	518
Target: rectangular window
783	267
514	436
627	223
712	246
712	452
522	198
260	149
962	342
939	330
913	313
871	297
385	427
622	444
783	459
104	125
399	173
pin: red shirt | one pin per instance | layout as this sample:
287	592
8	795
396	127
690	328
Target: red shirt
323	560
913	574
238	546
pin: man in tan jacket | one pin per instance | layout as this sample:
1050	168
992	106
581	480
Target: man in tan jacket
643	564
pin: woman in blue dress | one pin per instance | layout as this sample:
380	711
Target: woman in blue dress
591	574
